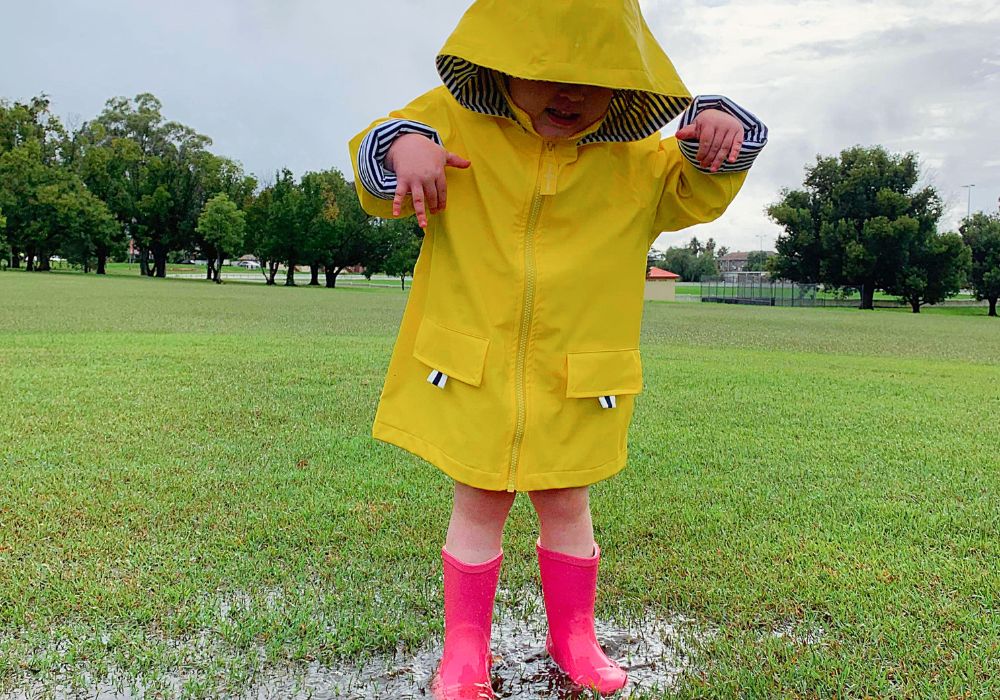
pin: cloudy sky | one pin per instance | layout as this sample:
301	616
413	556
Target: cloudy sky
285	83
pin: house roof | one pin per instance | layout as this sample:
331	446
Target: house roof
656	273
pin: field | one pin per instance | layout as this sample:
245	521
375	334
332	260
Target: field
188	489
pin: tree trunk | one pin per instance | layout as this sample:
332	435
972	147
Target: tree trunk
993	306
868	296
210	272
402	282
313	274
915	305
29	263
15	258
144	262
160	260
273	265
218	269
102	260
331	277
290	274
44	264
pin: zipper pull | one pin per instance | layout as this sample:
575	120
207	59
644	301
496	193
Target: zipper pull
550	171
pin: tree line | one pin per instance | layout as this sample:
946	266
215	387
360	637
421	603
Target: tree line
131	175
862	221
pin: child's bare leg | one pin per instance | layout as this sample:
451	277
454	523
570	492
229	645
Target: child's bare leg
568	561
564	517
477	519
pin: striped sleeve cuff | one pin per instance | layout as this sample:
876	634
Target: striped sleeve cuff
754	132
375	177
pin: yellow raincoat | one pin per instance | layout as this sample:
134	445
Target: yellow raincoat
528	292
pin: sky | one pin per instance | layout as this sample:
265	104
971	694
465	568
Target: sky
286	83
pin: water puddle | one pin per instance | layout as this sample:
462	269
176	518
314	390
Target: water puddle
657	652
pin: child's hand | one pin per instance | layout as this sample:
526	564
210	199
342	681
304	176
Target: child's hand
419	165
719	136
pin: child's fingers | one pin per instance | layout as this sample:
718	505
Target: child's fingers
718	141
397	201
705	144
431	195
418	204
455	161
734	151
688	132
724	150
442	190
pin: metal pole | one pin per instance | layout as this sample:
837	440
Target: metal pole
968	211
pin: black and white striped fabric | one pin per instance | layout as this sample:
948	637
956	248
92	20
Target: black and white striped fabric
379	181
438	378
754	132
632	116
625	115
608	401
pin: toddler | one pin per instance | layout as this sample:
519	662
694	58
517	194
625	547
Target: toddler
540	178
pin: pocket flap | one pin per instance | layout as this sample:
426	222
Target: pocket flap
459	355
603	373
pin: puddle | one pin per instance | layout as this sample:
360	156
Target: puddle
656	651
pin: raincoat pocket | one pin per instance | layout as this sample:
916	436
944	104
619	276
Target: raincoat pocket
456	354
603	373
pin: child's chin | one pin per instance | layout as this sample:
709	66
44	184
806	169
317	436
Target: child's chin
557	132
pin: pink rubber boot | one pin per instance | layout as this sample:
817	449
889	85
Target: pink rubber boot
469	590
569	586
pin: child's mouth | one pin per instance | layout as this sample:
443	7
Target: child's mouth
560	118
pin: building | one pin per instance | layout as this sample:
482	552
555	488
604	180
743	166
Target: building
737	262
661	285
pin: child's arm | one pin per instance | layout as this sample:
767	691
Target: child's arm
705	164
403	155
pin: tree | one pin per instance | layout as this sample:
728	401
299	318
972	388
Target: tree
756	261
318	215
3	240
222	226
692	262
405	238
32	145
163	176
855	221
223	176
260	240
354	238
936	268
981	232
287	238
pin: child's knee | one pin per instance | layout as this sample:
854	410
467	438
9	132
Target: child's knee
482	504
562	504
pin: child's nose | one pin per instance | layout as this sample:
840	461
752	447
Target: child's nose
573	94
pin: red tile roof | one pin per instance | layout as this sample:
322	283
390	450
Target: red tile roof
656	273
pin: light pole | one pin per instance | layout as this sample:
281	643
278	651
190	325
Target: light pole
968	211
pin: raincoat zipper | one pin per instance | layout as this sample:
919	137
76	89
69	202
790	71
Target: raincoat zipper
545	184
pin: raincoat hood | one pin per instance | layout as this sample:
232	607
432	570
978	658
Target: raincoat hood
590	42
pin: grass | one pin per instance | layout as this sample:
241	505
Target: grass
187	461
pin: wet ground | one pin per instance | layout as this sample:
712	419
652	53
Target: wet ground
656	651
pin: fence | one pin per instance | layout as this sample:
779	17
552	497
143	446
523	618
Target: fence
758	290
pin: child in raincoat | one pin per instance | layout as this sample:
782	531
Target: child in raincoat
541	180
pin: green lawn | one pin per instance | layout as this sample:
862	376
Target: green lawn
169	447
